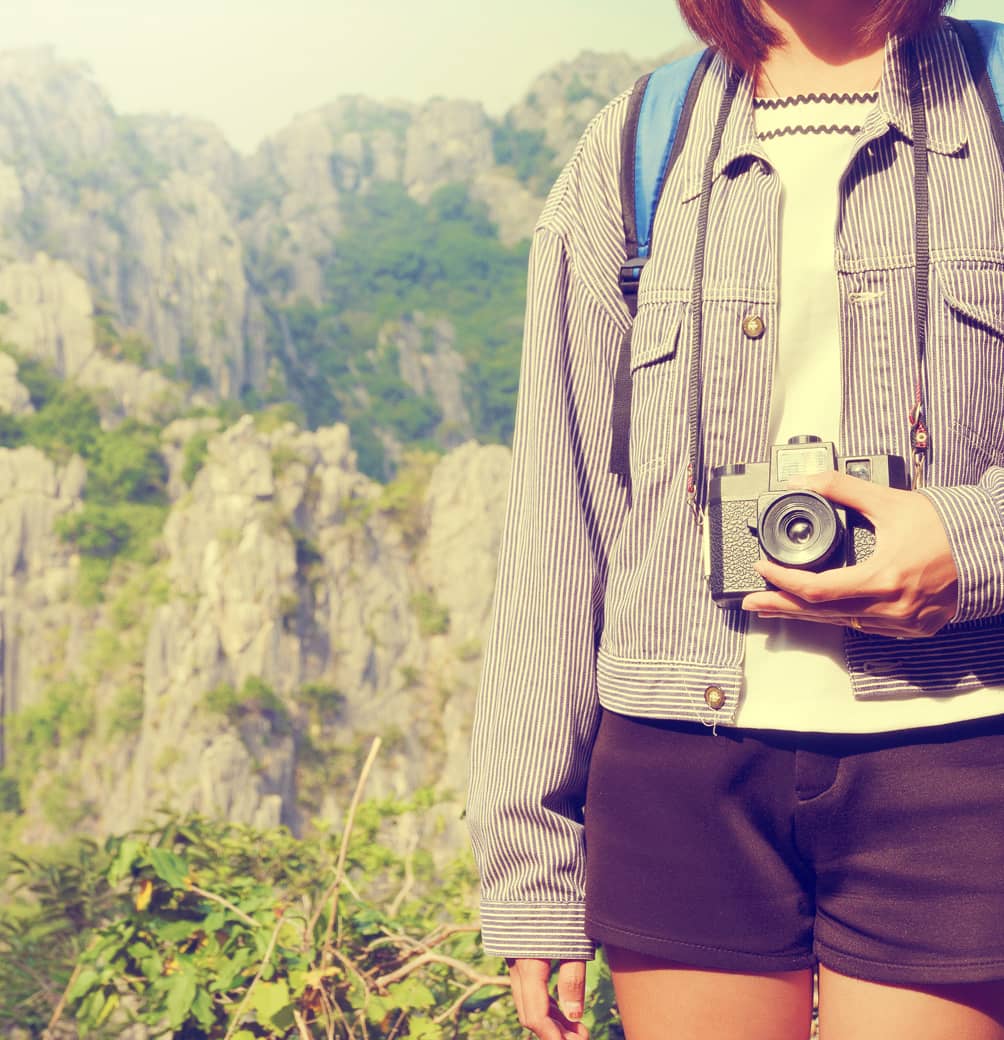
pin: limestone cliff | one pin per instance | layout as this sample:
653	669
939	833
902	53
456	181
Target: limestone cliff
298	609
188	242
285	607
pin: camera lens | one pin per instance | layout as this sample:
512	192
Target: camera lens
800	529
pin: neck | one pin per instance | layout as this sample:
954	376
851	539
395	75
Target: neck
824	48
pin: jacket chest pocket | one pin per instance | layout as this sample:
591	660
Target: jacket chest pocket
966	376
658	384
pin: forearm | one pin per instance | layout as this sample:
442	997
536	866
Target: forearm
537	708
973	518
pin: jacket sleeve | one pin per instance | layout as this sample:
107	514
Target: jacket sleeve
537	710
973	516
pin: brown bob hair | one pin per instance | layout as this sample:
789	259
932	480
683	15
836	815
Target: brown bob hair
737	27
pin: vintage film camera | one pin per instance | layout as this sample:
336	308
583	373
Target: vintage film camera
756	509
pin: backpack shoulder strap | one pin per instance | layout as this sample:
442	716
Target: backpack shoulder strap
983	43
658	118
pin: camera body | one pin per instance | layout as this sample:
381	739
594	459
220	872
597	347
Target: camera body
756	510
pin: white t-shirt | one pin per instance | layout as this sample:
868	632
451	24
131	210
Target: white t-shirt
796	677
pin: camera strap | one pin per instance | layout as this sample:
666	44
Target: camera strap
695	382
920	437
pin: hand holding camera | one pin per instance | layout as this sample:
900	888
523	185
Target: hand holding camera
903	584
760	510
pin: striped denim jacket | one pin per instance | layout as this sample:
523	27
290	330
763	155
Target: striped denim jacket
601	599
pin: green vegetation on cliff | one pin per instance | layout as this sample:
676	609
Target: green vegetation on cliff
125	501
397	257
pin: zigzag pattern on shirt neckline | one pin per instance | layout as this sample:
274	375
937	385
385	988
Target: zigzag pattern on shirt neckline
785	131
801	99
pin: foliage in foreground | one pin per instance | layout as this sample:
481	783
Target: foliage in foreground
203	929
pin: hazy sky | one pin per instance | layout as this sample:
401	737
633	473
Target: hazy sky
251	66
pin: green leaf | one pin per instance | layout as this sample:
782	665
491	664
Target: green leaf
204	1009
85	981
377	1009
215	920
110	1005
169	867
176	931
411	994
298	980
228	973
420	1028
122	864
180	996
269	999
91	1007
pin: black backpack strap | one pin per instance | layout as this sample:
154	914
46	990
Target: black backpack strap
983	43
658	118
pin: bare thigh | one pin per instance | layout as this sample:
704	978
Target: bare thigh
660	1000
852	1009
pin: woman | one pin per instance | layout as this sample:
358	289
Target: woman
804	781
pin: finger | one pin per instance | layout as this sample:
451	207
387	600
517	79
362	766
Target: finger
867	626
517	990
823	586
533	977
568	1029
864	496
572	989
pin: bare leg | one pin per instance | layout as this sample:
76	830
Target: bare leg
660	1000
852	1009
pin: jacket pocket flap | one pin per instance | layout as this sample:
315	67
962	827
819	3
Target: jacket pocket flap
656	333
976	294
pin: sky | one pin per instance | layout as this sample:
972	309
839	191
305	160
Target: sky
251	66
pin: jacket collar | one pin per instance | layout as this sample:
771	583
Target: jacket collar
942	65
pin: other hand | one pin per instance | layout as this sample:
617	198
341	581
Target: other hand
545	1017
909	586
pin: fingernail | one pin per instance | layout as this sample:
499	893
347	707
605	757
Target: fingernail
573	1012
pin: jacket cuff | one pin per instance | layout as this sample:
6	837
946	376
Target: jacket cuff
972	518
547	931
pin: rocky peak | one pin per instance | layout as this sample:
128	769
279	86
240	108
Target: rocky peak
51	108
561	101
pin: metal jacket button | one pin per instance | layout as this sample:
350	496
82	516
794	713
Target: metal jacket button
714	697
753	326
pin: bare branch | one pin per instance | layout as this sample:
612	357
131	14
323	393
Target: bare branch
254	982
301	1026
450	962
454	1009
57	1014
437	936
332	894
225	902
408	883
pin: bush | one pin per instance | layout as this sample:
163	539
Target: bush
67	423
63	715
126	464
254	698
10	796
204	929
433	617
196	453
12	431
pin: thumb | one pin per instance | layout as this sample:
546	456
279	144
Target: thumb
572	989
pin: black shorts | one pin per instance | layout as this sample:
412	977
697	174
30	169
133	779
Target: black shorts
880	856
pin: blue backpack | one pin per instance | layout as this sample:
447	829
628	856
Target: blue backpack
659	113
